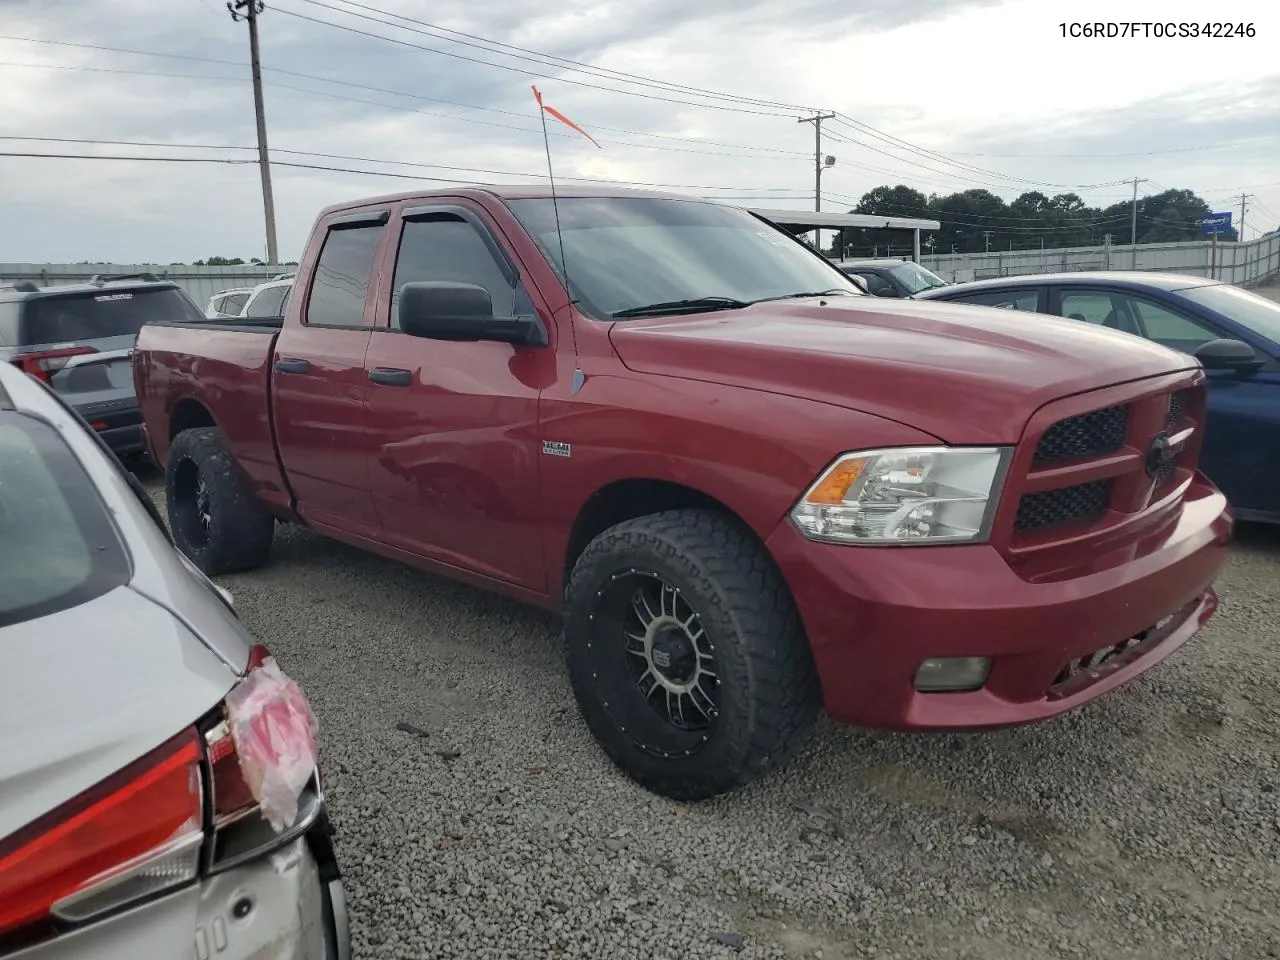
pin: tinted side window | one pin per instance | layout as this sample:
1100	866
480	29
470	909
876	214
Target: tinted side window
1028	300
445	247
876	283
342	277
270	303
1089	307
1168	328
234	303
9	324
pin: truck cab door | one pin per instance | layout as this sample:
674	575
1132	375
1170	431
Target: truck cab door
318	377
453	426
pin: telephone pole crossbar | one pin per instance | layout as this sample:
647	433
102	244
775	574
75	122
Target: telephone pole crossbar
249	10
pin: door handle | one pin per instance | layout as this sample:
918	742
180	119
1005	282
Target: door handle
292	365
391	376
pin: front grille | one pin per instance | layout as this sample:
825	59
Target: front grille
1087	435
1165	474
1085	501
1177	410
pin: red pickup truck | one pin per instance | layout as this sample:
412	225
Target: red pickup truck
753	491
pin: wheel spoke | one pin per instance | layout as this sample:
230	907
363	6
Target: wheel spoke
693	698
640	604
674	710
709	709
653	683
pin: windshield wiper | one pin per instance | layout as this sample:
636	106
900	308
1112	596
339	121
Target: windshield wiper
813	293
701	304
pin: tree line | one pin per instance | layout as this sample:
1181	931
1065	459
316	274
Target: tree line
977	220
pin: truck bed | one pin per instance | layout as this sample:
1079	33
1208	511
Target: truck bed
180	366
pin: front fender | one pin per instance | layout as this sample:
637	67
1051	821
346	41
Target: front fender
754	452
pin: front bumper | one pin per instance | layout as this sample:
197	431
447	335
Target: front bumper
873	614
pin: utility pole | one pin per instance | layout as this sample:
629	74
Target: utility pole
1244	197
251	9
816	120
986	235
1133	222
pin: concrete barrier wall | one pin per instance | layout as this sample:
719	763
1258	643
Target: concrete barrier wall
1246	264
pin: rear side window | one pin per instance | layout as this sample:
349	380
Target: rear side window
58	547
342	276
109	313
268	303
9	324
234	303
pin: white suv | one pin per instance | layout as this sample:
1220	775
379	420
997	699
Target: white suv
227	303
268	299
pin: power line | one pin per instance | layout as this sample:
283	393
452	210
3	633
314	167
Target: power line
337	80
520	70
1110	156
354	159
780	155
893	141
547	59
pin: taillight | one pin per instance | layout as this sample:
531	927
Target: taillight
232	797
136	834
45	363
262	756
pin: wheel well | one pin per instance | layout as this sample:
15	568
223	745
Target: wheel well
187	415
625	500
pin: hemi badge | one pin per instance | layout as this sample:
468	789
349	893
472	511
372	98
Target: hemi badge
554	449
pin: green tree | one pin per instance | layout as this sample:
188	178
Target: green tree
966	216
219	262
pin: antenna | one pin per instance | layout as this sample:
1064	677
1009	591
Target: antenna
543	110
555	206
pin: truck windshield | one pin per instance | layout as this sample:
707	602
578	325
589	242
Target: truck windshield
627	254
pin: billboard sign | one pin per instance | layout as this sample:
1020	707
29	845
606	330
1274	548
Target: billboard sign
1212	223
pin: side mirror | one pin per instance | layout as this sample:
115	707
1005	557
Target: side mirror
444	310
1224	354
859	282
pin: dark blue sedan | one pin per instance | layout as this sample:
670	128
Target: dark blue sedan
1234	333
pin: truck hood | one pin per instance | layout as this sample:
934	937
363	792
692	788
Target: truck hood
964	374
90	689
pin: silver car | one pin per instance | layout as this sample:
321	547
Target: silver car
159	793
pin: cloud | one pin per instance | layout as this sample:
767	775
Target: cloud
940	74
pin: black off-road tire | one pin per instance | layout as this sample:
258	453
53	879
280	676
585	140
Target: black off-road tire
767	688
235	532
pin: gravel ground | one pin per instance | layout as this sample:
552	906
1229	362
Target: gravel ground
477	819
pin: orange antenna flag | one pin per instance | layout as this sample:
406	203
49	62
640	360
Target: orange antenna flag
537	95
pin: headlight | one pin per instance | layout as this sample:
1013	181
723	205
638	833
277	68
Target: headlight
905	495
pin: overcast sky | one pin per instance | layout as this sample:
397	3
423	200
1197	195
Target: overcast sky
960	94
